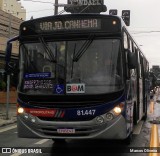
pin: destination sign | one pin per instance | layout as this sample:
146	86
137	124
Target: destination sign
85	6
85	2
74	24
69	24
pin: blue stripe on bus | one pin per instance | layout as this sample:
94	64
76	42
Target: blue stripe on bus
71	113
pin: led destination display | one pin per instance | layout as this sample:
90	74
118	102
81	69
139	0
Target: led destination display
68	25
74	24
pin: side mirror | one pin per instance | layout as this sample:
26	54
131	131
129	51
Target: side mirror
132	60
8	66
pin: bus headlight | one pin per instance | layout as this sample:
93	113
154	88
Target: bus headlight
20	110
109	116
26	116
100	119
118	109
32	118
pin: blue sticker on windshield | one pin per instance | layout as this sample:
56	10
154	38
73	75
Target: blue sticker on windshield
37	75
59	89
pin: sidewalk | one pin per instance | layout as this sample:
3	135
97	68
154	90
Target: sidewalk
11	109
12	117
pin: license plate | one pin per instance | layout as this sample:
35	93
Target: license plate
66	131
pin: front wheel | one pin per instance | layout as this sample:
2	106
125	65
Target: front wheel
135	118
145	112
128	140
144	118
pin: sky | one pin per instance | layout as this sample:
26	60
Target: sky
144	22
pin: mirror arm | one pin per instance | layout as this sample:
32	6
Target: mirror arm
13	39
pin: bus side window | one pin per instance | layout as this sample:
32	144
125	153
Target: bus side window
139	64
130	46
125	42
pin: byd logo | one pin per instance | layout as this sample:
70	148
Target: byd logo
75	88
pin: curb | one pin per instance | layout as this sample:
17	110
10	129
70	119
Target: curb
7	122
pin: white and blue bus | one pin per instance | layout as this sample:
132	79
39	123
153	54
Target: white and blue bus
81	76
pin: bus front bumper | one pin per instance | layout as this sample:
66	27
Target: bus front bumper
115	129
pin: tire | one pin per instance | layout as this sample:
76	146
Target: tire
144	118
128	140
145	113
135	114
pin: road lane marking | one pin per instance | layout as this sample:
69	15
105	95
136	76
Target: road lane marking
42	141
138	128
8	128
16	154
154	139
151	107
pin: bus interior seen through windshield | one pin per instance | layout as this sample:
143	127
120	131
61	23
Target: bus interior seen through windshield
66	61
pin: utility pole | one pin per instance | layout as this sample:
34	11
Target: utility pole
8	75
56	7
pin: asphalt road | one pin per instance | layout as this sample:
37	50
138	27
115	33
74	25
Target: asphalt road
8	138
141	138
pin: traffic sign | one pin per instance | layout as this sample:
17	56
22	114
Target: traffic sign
113	11
126	16
85	6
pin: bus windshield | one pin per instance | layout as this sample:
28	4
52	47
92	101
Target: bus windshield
95	63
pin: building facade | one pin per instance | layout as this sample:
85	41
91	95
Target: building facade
9	27
13	7
11	16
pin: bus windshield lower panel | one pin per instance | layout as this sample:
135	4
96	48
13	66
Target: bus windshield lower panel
92	66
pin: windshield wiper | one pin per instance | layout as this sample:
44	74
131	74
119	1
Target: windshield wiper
73	60
81	51
83	48
48	50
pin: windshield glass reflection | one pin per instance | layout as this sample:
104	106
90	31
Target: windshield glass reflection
98	66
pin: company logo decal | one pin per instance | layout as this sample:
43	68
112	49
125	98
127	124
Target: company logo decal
75	88
56	113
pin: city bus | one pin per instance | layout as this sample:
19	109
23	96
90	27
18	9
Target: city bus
81	76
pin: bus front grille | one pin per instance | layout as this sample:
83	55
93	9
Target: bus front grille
78	132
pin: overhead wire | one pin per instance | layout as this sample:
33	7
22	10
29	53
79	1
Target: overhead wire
41	2
62	11
144	32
